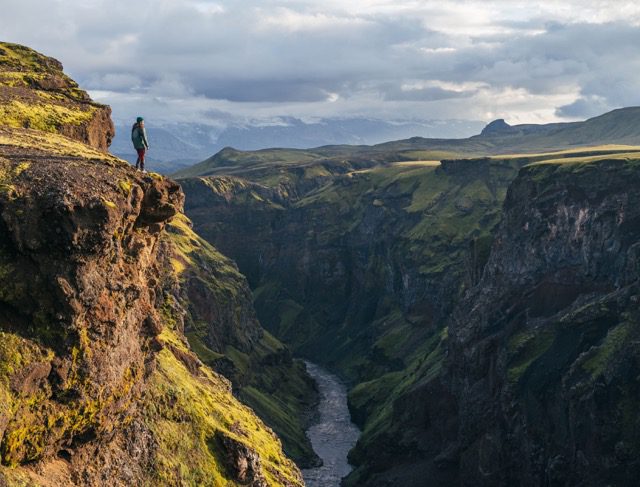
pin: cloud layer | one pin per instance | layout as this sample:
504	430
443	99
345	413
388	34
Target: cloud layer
224	60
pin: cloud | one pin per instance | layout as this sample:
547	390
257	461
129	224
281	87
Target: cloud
396	59
585	107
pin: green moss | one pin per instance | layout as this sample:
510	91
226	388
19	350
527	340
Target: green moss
604	353
43	116
109	204
185	412
125	186
525	348
168	310
16	353
56	144
36	422
196	340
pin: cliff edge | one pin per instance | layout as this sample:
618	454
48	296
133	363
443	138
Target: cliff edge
98	385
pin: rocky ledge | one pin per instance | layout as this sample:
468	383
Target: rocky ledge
98	385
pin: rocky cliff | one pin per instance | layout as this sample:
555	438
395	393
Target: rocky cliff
98	385
540	381
35	93
385	250
544	356
359	268
479	352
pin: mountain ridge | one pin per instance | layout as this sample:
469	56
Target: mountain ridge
621	126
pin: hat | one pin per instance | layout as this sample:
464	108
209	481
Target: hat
139	119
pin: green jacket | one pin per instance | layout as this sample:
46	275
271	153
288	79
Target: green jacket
139	137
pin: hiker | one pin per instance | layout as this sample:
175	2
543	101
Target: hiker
139	139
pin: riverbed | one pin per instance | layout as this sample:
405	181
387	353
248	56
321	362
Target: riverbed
334	434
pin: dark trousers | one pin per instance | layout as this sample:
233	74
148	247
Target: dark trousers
140	161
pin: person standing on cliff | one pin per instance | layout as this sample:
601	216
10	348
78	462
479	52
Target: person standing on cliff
140	142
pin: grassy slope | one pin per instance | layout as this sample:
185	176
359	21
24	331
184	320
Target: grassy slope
266	378
616	127
35	93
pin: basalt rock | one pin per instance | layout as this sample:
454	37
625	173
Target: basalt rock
542	364
543	355
241	461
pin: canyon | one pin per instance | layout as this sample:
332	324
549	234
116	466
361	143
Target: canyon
478	297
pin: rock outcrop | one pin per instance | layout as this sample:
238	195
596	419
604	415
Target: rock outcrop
35	93
98	385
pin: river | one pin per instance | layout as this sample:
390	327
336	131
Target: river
334	434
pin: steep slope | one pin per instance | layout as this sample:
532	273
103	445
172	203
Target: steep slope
361	269
215	301
97	383
342	273
540	385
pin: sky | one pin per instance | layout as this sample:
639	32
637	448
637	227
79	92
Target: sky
221	61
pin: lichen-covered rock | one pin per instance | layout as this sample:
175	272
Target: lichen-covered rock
97	383
35	93
241	461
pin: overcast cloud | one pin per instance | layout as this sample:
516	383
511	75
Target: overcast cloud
215	61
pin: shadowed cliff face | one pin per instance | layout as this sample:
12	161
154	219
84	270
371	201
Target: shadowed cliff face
213	304
540	386
36	94
360	270
356	270
97	382
544	353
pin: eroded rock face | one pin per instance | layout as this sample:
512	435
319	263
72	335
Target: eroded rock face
543	357
329	269
241	461
98	385
35	93
97	132
552	332
77	259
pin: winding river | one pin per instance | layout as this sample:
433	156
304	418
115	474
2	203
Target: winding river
334	434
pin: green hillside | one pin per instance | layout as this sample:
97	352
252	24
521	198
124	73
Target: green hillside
619	127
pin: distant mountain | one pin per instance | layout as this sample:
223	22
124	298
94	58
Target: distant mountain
177	146
172	147
620	126
295	133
